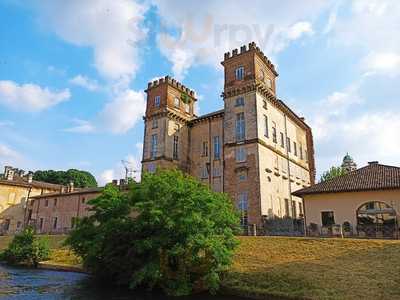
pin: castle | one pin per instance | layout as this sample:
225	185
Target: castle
256	149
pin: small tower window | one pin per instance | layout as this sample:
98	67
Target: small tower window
239	73
240	154
187	108
240	127
157	101
155	122
239	101
176	102
268	82
266	132
176	143
154	142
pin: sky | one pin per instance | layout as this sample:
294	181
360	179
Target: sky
73	73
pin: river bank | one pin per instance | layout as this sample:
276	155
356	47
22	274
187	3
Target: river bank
299	268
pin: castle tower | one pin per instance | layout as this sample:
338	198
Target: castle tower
267	148
348	163
170	105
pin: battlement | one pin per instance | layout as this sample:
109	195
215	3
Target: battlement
248	48
173	82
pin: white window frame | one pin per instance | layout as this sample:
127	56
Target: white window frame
240	128
241	154
154	145
239	73
157	101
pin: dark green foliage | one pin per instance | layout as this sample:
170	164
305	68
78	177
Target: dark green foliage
333	173
79	178
26	249
169	232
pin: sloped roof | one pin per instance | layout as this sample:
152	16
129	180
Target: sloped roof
372	177
22	181
75	192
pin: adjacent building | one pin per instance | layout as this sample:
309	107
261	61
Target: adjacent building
363	202
16	188
255	148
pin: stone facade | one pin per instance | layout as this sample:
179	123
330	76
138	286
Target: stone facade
256	148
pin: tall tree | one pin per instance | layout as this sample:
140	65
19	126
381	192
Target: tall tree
333	172
78	177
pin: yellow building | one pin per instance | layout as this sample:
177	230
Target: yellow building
256	148
15	189
364	202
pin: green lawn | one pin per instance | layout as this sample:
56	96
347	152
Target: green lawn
299	267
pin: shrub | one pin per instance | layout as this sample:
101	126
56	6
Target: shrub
26	249
170	232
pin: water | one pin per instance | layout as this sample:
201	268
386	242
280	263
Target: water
20	283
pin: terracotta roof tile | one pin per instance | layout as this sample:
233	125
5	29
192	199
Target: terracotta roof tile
372	177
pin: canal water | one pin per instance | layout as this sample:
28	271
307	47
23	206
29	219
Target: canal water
20	283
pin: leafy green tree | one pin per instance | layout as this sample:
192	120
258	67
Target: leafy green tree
333	172
79	178
170	231
26	249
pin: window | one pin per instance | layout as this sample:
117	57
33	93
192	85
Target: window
301	151
55	220
282	140
294	209
239	101
157	101
287	207
239	73
83	200
240	127
289	147
205	149
266	133
19	223
295	148
46	203
242	175
151	168
216	148
216	172
55	202
268	82
73	222
175	150
154	141
155	123
265	104
41	222
204	172
177	102
6	225
328	218
243	208
274	138
187	108
301	209
240	154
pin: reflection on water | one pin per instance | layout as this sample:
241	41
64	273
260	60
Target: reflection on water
19	283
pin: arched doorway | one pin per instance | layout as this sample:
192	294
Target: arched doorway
377	219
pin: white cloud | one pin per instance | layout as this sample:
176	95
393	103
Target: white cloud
123	112
385	63
9	156
219	26
85	82
106	176
30	97
82	126
111	28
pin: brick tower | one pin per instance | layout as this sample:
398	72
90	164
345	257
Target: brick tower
170	105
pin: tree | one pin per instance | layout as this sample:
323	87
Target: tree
333	172
170	232
79	178
27	249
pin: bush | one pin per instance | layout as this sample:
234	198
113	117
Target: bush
170	232
26	249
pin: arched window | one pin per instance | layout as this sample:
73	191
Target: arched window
376	219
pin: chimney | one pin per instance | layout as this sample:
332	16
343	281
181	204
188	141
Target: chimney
9	172
30	176
371	163
115	182
122	182
71	186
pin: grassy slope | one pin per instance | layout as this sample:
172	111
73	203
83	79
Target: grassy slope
316	268
298	267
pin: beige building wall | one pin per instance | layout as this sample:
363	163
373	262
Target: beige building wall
345	205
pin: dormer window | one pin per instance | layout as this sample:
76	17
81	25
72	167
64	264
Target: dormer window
157	101
239	73
176	102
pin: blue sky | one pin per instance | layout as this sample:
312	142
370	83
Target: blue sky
72	73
